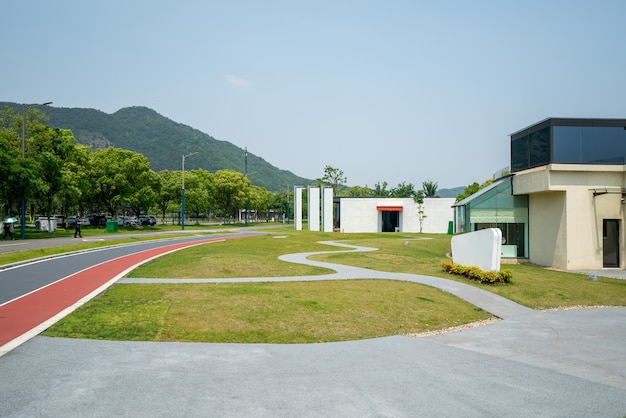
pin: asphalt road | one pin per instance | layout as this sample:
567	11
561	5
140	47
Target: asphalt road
24	278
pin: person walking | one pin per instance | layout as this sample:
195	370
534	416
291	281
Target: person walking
8	230
77	230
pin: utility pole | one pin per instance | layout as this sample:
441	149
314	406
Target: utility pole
245	155
182	209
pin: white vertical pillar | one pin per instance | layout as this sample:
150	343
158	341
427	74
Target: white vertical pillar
297	208
327	209
314	208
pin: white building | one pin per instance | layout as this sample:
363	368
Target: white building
379	214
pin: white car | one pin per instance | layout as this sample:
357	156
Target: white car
42	222
126	221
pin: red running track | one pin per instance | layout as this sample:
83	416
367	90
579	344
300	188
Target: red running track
19	316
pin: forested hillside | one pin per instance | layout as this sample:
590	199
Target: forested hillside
163	142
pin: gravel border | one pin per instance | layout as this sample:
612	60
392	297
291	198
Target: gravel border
454	329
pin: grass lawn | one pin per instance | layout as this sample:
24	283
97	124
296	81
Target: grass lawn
535	287
311	311
301	312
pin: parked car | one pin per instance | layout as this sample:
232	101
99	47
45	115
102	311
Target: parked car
60	220
71	222
126	221
96	219
147	220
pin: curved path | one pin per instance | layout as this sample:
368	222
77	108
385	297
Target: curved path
567	363
490	302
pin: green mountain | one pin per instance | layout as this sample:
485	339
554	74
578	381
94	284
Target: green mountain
454	192
163	142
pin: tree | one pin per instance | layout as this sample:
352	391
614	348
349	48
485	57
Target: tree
380	190
9	153
51	149
318	182
473	188
419	199
359	191
403	190
76	188
144	191
198	191
19	176
334	177
231	189
261	199
281	203
430	188
116	176
170	189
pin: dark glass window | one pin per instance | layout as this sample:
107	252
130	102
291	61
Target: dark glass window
540	147
566	144
519	154
603	145
589	144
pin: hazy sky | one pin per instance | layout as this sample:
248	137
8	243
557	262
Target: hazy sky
383	90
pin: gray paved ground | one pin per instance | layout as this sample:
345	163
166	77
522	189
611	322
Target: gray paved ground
566	363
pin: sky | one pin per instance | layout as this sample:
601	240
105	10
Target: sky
386	91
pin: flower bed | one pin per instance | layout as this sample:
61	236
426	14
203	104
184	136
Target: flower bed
476	274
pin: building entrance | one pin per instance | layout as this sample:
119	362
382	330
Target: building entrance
610	242
390	221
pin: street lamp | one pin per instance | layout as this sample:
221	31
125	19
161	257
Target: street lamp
182	210
23	217
246	164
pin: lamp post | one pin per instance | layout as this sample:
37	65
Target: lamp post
23	216
182	209
246	167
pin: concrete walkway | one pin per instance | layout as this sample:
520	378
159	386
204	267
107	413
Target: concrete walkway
565	363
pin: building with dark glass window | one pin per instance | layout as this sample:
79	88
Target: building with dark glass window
564	203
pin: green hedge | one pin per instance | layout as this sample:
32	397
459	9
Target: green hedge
476	274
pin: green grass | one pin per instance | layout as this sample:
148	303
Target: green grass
310	311
531	286
301	312
250	257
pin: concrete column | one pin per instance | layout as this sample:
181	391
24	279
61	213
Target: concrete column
297	208
327	209
314	208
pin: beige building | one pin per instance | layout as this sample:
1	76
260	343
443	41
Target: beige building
576	215
573	174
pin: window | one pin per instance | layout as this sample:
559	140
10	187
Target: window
540	147
513	236
569	142
519	154
496	207
589	144
531	150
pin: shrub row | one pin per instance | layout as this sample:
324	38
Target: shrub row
476	274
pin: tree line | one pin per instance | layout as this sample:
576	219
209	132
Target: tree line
56	175
336	178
